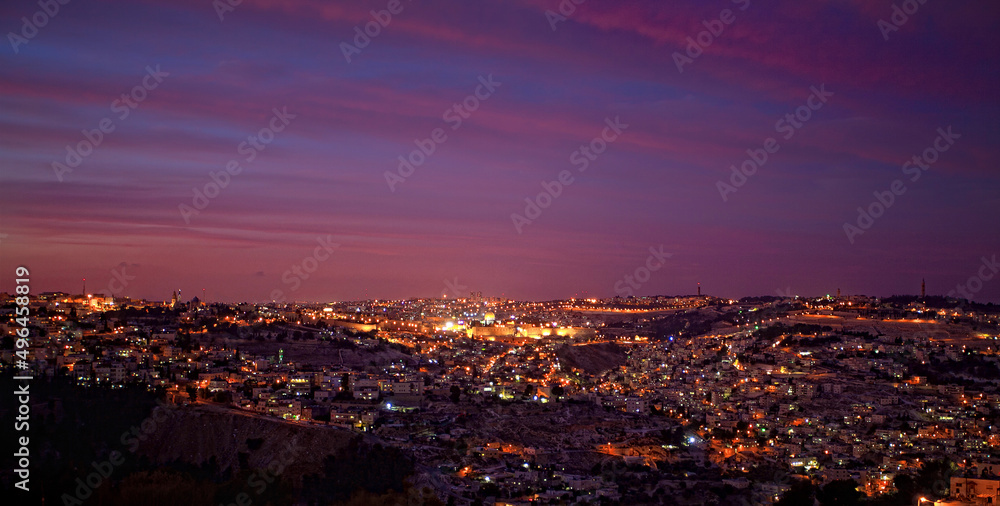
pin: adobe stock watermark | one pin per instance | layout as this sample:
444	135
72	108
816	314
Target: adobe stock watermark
654	262
223	7
123	106
885	199
899	17
566	9
296	274
454	117
789	125
454	287
131	438
363	36
760	494
30	27
119	280
261	478
249	148
581	159
697	45
988	269
785	293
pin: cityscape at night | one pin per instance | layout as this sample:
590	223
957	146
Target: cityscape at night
482	400
500	253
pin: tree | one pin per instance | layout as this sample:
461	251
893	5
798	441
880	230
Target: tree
840	493
801	493
529	390
904	484
456	393
558	391
935	475
359	468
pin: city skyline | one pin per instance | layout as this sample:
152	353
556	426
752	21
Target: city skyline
116	288
386	149
488	402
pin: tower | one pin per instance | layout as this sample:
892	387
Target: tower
923	288
699	289
173	299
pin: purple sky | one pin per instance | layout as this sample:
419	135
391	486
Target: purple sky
655	185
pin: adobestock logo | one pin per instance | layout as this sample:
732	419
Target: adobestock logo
454	287
220	180
566	8
697	45
103	469
988	269
92	139
29	27
900	16
296	274
261	478
885	199
788	125
654	262
120	279
454	116
364	35
581	158
222	7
